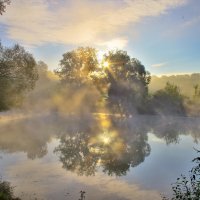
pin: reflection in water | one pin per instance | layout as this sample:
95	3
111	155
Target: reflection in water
96	144
31	134
83	154
111	145
25	135
88	143
115	144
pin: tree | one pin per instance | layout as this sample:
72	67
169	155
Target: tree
76	66
128	81
3	4
169	100
18	74
196	91
75	72
121	80
42	66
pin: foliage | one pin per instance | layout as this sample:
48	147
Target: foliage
76	66
84	151
187	188
82	195
169	100
128	82
125	68
42	68
6	191
196	91
3	4
185	82
189	86
18	74
123	83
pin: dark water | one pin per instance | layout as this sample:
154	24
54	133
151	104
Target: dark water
53	156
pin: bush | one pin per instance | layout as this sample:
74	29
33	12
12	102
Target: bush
6	191
187	188
169	101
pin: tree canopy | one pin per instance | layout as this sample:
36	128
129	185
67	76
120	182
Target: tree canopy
3	4
121	79
169	100
76	66
128	81
18	74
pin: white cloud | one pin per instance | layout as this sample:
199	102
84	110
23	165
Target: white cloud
159	64
119	43
35	22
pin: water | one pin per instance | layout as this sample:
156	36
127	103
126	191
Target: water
54	156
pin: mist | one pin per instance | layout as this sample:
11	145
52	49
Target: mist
105	121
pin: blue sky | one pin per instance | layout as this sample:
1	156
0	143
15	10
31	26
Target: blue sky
163	34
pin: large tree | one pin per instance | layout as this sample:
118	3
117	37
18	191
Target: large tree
122	80
128	81
76	66
18	74
3	4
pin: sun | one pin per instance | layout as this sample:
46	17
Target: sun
100	57
105	139
105	64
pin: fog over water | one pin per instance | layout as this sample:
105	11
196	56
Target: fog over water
54	156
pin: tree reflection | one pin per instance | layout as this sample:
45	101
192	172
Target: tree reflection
29	134
113	150
109	143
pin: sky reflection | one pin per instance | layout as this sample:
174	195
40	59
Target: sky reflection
131	159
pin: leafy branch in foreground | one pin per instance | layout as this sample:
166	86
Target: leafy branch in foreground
187	188
6	191
3	5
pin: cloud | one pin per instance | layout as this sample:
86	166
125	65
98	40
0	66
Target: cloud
159	64
114	43
47	179
36	22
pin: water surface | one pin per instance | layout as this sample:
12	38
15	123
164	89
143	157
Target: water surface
54	156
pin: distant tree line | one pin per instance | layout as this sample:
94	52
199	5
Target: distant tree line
188	83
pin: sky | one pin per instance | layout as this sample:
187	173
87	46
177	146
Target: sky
163	34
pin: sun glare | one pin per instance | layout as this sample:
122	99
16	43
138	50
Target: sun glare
106	64
100	55
105	139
